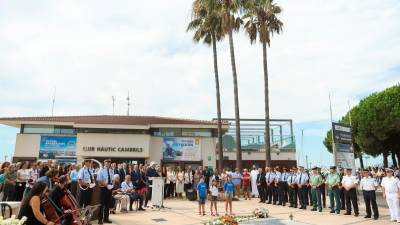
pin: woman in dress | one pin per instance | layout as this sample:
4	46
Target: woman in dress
179	182
188	179
170	182
30	206
196	178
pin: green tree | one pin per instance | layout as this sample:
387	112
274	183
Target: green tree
207	26
232	22
261	19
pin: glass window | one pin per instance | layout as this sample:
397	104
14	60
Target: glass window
196	132
38	129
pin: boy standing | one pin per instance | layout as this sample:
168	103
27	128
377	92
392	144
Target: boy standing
202	195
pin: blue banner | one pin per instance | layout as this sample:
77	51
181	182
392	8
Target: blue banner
55	147
182	149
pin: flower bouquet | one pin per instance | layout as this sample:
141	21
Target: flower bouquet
230	220
260	213
12	221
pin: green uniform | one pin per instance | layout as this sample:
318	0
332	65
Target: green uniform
333	192
315	180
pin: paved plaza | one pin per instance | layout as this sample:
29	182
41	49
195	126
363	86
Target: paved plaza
183	212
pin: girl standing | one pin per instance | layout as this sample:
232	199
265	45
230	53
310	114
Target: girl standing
214	197
229	187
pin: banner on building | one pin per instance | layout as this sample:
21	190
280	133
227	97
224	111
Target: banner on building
57	147
342	136
181	149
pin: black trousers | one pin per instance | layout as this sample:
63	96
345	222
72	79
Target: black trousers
85	197
323	195
272	194
105	200
283	193
303	195
19	191
342	199
135	197
293	196
261	193
351	199
370	199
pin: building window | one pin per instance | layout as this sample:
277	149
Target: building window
47	129
179	132
196	132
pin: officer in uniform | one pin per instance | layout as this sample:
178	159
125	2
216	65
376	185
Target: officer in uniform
349	183
391	192
278	189
368	185
270	178
315	183
284	186
333	182
291	181
341	190
322	188
302	179
85	179
261	183
105	179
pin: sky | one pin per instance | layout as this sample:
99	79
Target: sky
91	50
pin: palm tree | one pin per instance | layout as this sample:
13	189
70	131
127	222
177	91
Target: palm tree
207	25
232	23
261	18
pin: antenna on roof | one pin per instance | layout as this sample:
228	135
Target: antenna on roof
129	103
113	103
53	101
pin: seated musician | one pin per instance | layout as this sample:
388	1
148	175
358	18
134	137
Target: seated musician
130	190
30	206
118	194
56	194
50	177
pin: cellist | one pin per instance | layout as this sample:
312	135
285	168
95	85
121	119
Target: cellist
30	206
56	194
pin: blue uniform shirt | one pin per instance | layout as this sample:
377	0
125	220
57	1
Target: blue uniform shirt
202	188
84	174
229	186
269	177
302	178
104	176
74	175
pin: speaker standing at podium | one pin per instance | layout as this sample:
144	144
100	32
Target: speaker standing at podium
151	172
105	178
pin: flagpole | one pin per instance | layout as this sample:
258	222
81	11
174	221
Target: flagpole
333	139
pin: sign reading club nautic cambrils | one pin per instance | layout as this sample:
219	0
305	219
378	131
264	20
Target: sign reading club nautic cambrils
53	147
112	149
342	136
187	149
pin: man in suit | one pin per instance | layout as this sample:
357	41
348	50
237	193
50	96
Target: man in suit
261	184
135	174
123	171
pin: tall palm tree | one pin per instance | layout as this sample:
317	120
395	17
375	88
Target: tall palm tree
261	18
231	22
207	26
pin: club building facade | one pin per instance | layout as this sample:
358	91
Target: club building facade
133	139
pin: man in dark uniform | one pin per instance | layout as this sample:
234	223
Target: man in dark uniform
291	181
284	186
261	184
341	192
322	188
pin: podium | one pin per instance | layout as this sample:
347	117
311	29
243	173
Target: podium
157	194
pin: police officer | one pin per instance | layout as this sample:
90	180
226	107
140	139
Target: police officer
86	183
105	179
315	183
302	179
368	185
284	186
341	190
349	183
278	189
323	188
261	183
270	178
333	182
291	181
391	192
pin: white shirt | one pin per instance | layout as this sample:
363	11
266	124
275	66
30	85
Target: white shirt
214	191
348	181
368	184
391	185
23	175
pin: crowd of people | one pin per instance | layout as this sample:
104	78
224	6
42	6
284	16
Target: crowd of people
123	184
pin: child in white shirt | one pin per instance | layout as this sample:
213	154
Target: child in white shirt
214	197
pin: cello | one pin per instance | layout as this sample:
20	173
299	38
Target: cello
50	210
69	202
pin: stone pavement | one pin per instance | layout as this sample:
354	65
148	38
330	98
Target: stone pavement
184	212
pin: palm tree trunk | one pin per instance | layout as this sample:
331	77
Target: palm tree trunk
385	159
361	162
220	144
236	97
266	99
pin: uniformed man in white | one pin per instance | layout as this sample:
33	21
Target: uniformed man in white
291	181
105	179
368	185
86	182
349	183
391	192
270	178
301	181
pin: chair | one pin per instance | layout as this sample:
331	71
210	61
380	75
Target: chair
4	206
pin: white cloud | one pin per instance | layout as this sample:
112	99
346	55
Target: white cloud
94	49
